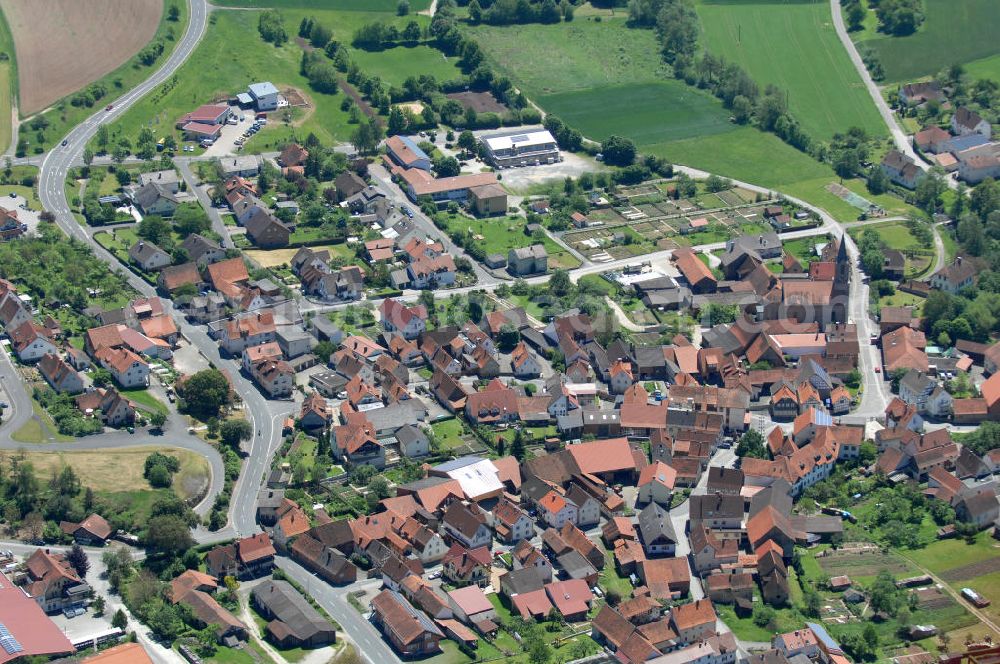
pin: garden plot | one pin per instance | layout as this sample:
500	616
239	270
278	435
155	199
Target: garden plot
835	612
863	562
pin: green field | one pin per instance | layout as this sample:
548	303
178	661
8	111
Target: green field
8	83
63	116
984	68
648	113
498	236
343	5
548	59
395	65
213	72
602	78
793	46
955	31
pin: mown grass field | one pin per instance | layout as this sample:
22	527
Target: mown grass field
984	68
648	113
395	65
582	54
794	46
343	5
602	78
218	69
955	31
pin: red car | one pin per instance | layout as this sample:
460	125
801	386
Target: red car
878	369
109	107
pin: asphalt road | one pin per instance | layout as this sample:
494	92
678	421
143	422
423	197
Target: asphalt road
899	136
264	415
184	166
19	409
371	646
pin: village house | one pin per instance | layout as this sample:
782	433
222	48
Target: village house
148	256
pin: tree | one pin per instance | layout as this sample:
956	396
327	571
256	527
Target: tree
467	141
403	8
856	14
379	486
559	283
168	534
517	447
190	218
475	12
98	606
411	33
233	431
884	596
447	167
397	122
751	445
174	13
272	27
618	151
159	477
77	559
157	419
930	188
204	393
508	338
119	620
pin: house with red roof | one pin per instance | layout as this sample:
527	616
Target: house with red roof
34	634
572	598
656	484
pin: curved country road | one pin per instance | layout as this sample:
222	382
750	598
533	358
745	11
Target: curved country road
899	136
263	414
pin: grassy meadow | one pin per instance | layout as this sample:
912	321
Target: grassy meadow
955	31
793	46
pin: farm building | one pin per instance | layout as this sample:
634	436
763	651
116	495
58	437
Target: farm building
525	148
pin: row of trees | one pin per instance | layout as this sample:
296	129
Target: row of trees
509	12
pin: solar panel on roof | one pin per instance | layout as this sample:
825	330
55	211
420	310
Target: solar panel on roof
8	642
518	138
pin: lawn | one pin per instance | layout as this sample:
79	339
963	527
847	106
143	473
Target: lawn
901	299
395	65
803	249
145	400
63	116
448	433
794	46
40	429
955	31
498	236
610	579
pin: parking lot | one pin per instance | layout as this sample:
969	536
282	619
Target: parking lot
226	143
24	215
